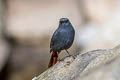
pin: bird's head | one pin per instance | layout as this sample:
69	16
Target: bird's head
64	21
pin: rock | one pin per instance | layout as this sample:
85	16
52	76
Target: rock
108	71
80	67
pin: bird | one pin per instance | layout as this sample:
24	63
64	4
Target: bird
62	39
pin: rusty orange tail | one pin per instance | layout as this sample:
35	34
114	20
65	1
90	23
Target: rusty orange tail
53	59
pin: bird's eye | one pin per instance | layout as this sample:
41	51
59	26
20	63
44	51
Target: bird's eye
62	22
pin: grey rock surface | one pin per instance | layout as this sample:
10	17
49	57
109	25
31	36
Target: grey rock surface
76	69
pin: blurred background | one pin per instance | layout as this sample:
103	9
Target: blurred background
26	27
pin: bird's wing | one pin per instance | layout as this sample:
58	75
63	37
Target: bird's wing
54	38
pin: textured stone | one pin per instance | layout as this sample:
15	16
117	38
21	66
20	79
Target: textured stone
80	67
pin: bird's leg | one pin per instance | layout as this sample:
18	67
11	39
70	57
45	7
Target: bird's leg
58	57
67	52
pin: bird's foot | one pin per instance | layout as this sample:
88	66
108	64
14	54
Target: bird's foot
59	60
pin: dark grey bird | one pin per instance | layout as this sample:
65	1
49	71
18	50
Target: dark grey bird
62	39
